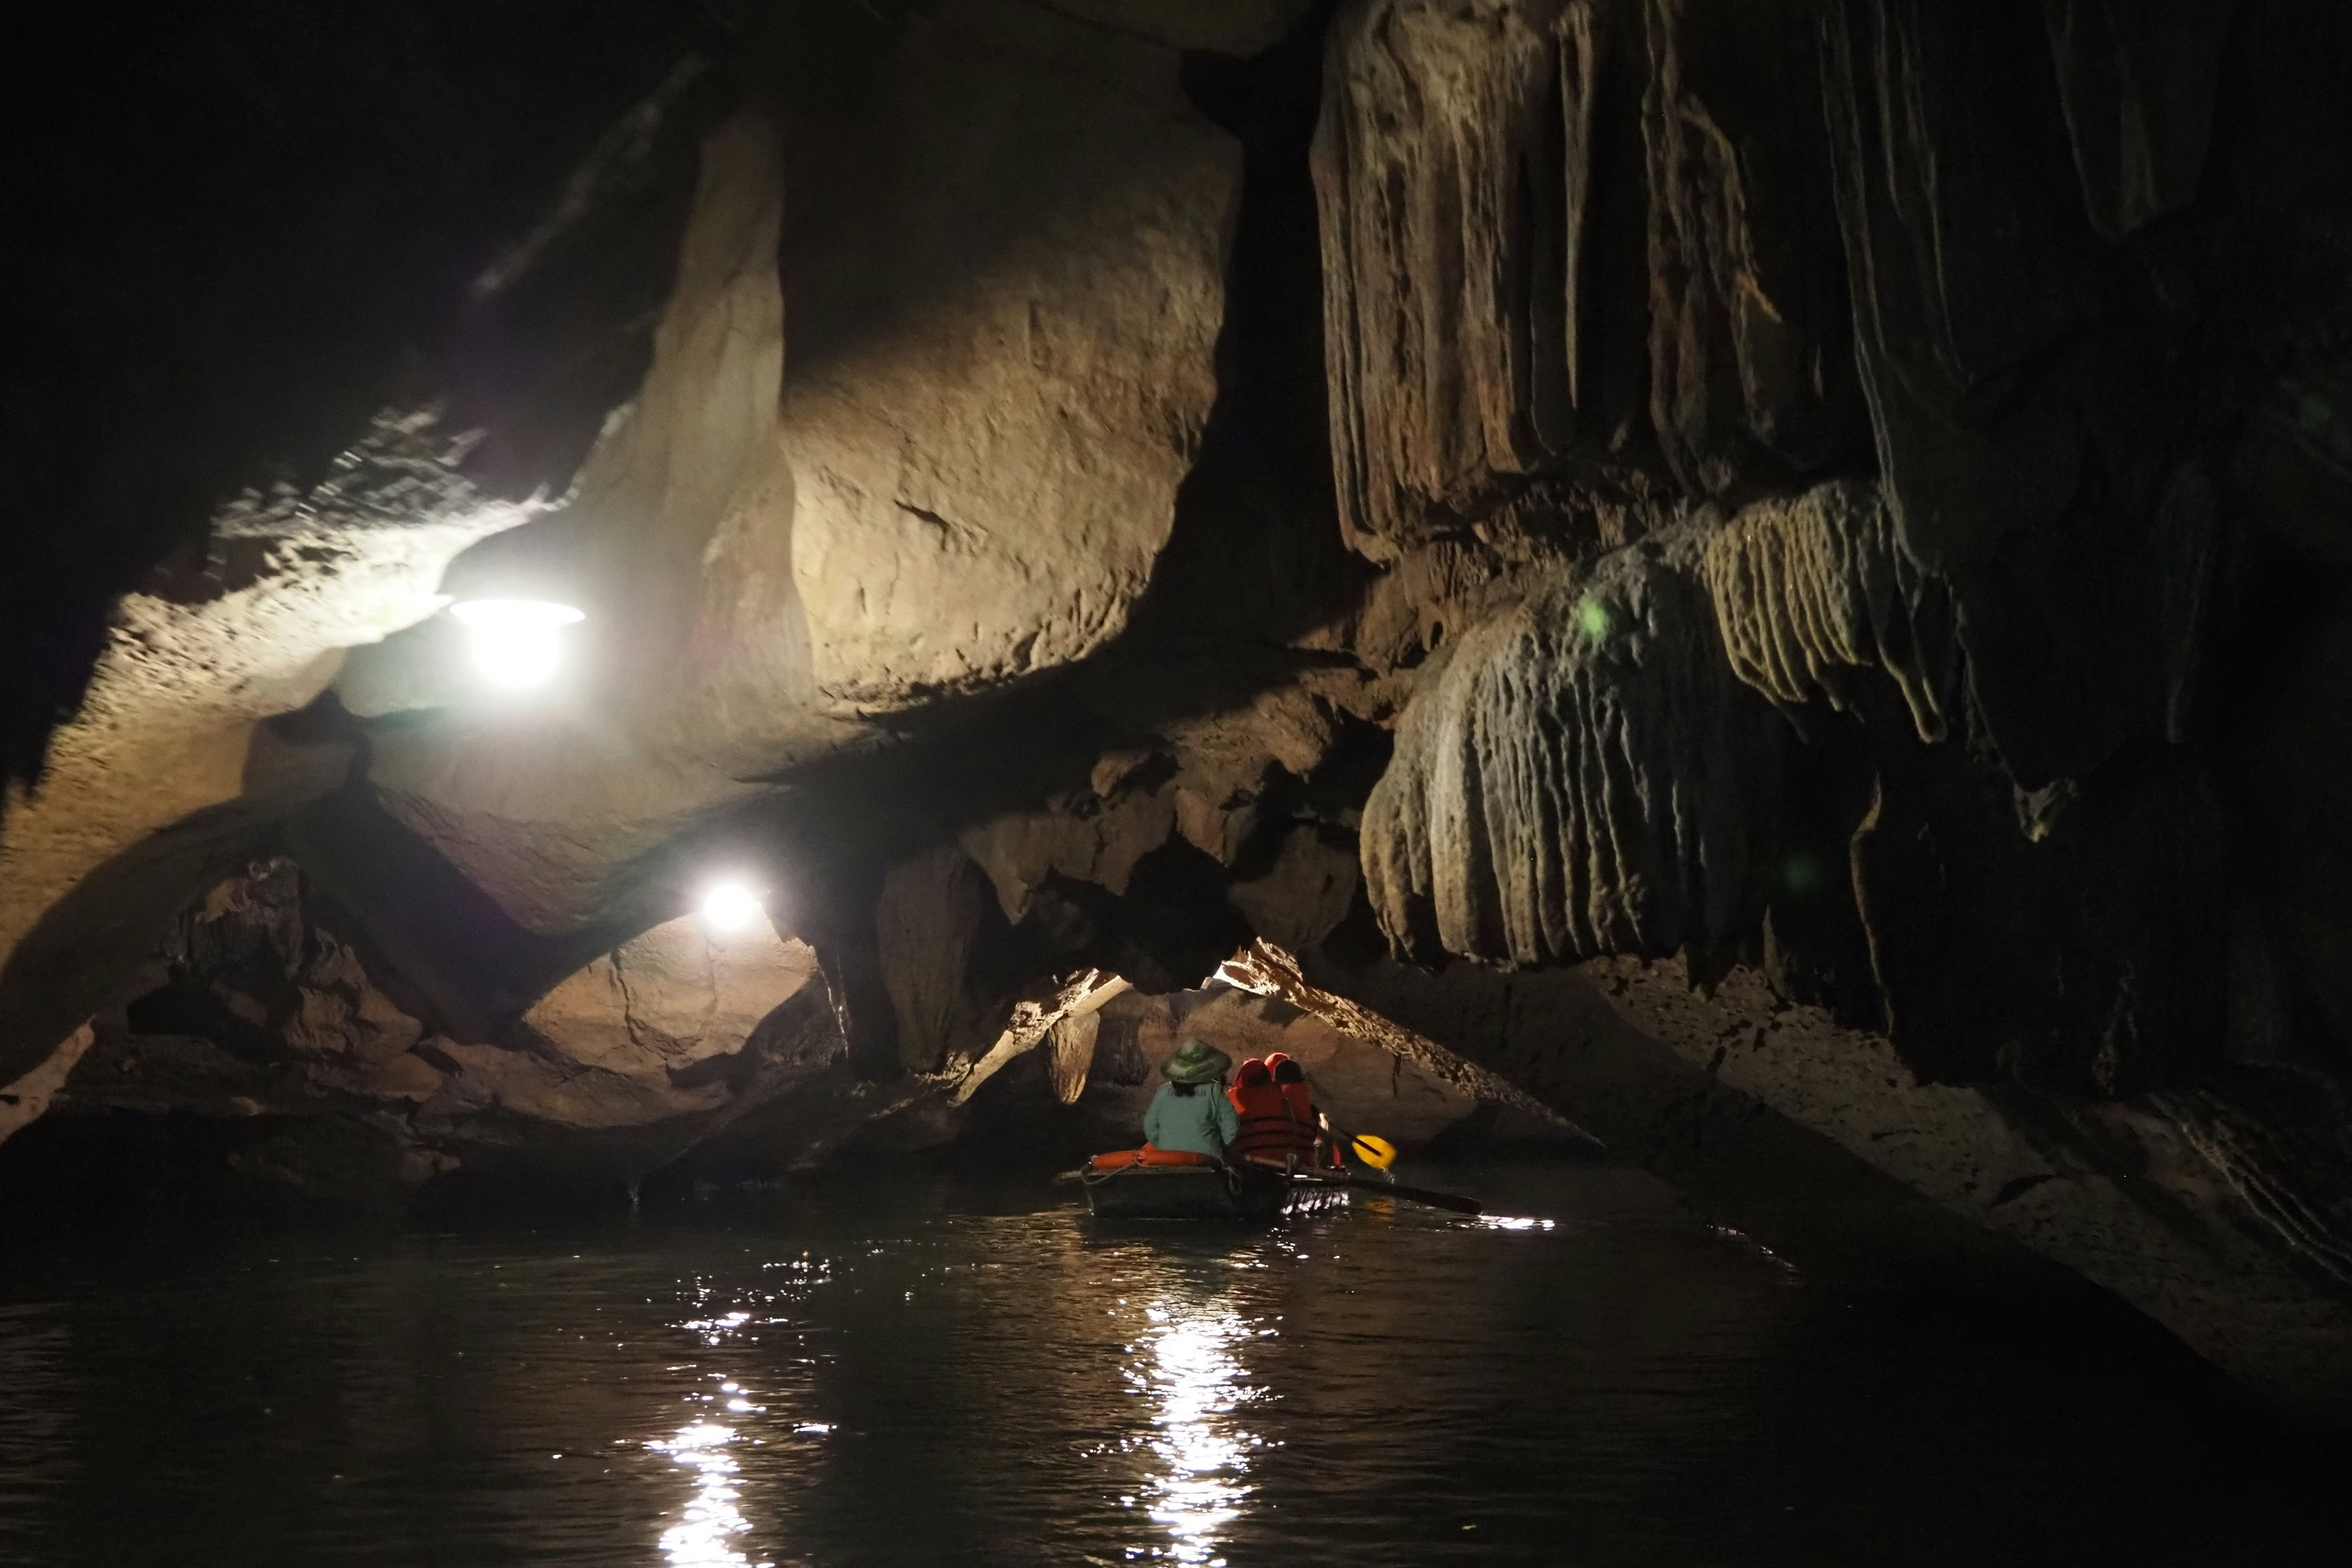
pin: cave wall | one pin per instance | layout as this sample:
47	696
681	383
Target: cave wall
1930	697
2031	330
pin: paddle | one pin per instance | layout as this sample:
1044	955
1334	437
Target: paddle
1436	1200
1379	1154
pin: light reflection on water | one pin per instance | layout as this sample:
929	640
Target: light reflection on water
705	1534
1196	1386
706	1530
1196	1453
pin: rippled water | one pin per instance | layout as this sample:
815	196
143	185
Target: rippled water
927	1374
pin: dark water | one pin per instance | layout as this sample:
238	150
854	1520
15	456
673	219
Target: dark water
938	1375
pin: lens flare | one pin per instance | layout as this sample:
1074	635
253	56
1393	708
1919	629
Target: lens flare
515	641
1592	616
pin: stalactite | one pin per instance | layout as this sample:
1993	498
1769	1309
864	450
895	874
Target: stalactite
1807	587
1584	776
1588	774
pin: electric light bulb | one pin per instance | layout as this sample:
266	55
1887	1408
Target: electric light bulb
514	641
731	906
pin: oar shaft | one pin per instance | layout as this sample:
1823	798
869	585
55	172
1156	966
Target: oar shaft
1433	1199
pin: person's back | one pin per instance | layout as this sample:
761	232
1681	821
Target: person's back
1266	1120
1190	1113
1297	1097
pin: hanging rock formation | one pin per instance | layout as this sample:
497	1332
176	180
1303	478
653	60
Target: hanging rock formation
1584	776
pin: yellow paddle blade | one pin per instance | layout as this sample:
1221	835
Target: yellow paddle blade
1377	1152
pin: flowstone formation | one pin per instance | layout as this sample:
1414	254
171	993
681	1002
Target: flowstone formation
1772	577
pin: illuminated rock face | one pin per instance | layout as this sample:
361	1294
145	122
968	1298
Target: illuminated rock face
1840	501
677	996
258	1015
984	476
182	753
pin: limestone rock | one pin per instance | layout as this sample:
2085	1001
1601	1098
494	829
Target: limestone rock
674	996
676	541
1229	26
930	922
1360	1082
1448	317
2294	464
347	194
342	1015
1806	587
2299	742
172	768
1093	839
25	1099
2138	83
1498	183
1306	892
1819	1142
624	1065
1011	368
1070	1047
1749	315
1583	776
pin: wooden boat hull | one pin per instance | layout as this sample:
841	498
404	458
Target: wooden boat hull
1252	1195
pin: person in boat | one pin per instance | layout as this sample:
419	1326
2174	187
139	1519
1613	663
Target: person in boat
1301	1126
1190	1113
1266	1134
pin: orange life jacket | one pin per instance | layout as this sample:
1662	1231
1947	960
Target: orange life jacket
1266	1132
1299	1101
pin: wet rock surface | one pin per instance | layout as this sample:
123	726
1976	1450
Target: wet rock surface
1773	577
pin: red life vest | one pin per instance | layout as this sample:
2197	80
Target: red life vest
1265	1131
1298	1101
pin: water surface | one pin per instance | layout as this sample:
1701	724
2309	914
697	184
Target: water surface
924	1373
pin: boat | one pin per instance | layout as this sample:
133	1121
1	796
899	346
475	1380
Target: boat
1154	1183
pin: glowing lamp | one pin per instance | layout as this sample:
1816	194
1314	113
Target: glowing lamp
730	906
514	640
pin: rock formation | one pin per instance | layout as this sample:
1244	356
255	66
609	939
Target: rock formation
1772	576
1088	1090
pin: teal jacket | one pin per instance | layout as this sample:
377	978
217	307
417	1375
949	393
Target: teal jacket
1201	1123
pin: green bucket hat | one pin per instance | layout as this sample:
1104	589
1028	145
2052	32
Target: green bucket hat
1197	1062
